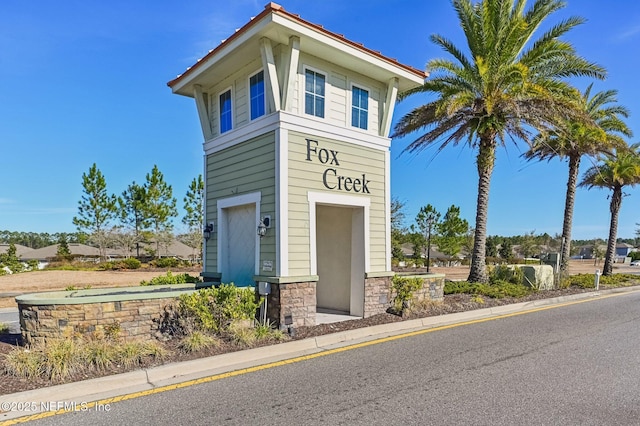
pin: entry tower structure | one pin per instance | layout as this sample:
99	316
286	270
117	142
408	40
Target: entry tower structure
296	123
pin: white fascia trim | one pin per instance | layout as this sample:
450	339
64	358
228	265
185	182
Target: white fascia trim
317	127
222	54
282	202
238	200
315	198
361	55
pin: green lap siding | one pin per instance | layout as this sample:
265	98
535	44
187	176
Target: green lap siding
244	168
304	176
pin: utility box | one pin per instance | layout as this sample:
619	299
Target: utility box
551	259
264	288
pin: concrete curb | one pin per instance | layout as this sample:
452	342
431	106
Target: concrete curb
175	373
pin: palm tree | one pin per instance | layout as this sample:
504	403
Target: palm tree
574	139
505	85
615	172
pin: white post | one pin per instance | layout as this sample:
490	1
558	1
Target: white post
598	273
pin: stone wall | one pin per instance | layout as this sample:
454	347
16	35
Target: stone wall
432	288
295	303
292	304
377	295
135	318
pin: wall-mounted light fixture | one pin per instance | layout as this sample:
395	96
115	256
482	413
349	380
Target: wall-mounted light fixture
265	223
207	231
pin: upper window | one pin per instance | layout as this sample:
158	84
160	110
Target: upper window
225	112
359	108
314	93
256	94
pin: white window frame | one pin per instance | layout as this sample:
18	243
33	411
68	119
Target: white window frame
303	90
264	99
350	106
222	92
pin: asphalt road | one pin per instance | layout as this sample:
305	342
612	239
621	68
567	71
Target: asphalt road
9	316
577	364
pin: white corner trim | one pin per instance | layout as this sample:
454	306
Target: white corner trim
282	202
387	208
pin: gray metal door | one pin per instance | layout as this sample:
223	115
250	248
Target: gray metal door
240	253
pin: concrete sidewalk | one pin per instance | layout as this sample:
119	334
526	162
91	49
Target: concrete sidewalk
155	378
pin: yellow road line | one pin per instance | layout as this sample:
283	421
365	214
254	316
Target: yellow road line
107	401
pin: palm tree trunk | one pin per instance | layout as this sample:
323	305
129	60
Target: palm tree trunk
572	182
614	207
485	162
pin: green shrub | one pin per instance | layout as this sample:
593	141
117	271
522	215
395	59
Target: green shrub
115	265
403	288
100	353
513	275
197	341
496	290
266	332
58	359
236	303
132	263
62	358
72	266
580	280
107	266
24	363
242	335
200	306
4	328
588	280
167	262
210	309
169	278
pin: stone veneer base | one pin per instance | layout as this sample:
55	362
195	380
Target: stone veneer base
59	314
294	303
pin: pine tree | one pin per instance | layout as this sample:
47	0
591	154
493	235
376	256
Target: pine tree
96	209
132	213
194	219
160	206
63	253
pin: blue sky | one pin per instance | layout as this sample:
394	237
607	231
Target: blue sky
84	82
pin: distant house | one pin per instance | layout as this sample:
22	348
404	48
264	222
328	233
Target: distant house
624	249
436	256
20	249
587	252
175	249
46	254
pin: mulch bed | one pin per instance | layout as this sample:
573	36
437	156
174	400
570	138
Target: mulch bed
451	304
